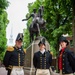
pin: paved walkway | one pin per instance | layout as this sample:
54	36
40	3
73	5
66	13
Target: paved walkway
3	71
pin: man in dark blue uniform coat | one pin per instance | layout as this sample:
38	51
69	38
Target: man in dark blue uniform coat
14	57
42	59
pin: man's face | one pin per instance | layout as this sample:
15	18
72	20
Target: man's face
42	46
63	44
19	43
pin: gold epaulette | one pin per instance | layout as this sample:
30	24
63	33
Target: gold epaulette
10	48
51	53
25	50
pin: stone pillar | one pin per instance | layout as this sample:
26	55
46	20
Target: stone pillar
31	49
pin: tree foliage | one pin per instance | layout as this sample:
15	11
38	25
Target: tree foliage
3	24
3	5
59	20
26	38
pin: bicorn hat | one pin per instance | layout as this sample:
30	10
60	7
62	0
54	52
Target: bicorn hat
42	41
19	37
63	39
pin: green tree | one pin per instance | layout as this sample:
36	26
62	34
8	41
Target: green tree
3	24
58	17
26	40
3	5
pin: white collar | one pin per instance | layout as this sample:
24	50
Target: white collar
42	51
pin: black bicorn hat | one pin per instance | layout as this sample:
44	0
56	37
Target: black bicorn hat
19	37
63	39
42	41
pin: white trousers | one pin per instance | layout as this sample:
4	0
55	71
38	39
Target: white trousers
42	72
17	71
64	74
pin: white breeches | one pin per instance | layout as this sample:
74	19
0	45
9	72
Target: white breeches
42	72
17	71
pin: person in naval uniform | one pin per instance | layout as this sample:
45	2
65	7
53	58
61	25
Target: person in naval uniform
42	59
66	58
14	57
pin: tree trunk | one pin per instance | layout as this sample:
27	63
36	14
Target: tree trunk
73	26
73	34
